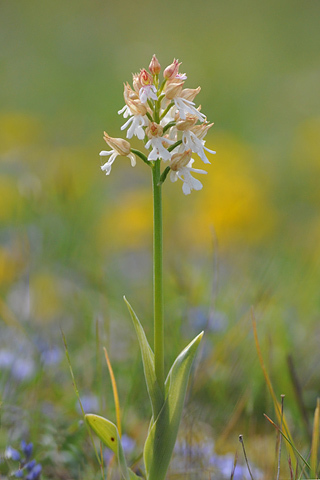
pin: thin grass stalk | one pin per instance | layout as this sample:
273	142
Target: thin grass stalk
270	387
245	456
280	438
289	441
114	390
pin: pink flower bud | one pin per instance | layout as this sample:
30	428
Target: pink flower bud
154	66
190	93
186	124
118	144
128	93
136	107
201	130
173	90
136	82
154	130
179	160
145	78
172	70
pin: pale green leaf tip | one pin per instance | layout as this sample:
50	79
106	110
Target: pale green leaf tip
198	338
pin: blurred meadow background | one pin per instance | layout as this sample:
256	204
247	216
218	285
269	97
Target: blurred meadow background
73	241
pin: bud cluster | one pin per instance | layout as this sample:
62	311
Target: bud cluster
164	115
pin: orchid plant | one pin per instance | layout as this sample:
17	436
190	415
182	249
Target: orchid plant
164	116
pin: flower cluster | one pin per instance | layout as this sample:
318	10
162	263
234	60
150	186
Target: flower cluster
28	469
165	117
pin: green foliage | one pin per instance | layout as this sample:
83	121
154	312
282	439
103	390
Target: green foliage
109	435
163	431
167	411
155	394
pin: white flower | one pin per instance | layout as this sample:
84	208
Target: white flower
169	117
126	111
185	106
181	167
159	151
136	127
154	132
118	147
148	91
190	140
181	76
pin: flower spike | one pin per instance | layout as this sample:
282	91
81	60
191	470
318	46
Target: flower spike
167	119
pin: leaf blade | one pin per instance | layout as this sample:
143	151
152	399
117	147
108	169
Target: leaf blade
163	431
154	391
109	435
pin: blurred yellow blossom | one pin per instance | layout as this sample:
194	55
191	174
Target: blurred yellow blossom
8	266
126	224
45	296
18	129
10	198
234	199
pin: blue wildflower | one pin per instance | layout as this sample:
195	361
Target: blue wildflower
12	454
18	473
128	444
35	472
90	403
28	469
29	466
27	448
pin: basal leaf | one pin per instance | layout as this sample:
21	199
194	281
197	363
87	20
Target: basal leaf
155	394
163	431
109	435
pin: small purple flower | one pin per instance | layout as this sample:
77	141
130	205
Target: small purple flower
35	472
19	473
51	356
128	444
28	469
27	448
29	466
23	368
90	403
12	454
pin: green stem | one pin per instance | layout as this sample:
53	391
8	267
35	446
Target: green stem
158	276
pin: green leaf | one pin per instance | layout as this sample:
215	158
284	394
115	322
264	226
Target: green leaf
132	475
164	175
109	435
154	391
164	430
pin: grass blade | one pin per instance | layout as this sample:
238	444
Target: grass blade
114	390
288	440
277	406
